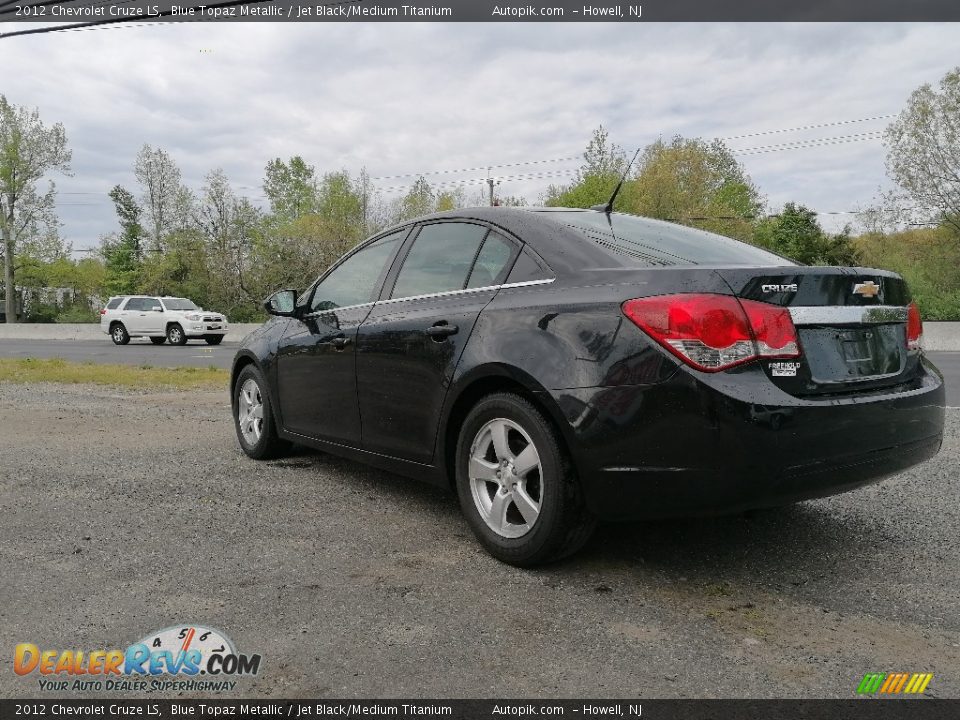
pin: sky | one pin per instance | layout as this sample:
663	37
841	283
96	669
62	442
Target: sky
403	99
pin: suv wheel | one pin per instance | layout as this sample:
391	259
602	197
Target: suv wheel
119	334
517	487
158	340
213	339
176	335
253	416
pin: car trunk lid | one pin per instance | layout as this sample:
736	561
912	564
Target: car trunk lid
851	324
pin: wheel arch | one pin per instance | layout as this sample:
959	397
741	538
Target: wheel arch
243	359
485	381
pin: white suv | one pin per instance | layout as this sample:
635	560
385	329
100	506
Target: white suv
160	319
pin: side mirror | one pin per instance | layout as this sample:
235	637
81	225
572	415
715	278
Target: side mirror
157	308
282	303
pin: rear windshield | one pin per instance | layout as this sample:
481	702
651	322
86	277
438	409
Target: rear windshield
179	304
654	242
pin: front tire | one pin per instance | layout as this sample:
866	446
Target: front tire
213	339
119	334
176	335
517	487
158	340
253	416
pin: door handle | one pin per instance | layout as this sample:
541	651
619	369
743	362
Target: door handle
441	330
340	342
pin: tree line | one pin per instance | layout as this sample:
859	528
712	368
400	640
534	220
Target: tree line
218	247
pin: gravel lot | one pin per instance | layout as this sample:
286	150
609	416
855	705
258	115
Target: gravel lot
128	512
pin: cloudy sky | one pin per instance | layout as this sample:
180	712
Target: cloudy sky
401	99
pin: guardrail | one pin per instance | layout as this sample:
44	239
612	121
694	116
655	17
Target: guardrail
89	331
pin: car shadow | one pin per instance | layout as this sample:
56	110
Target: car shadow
791	546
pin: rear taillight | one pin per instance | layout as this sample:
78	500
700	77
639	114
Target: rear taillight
715	332
914	328
103	312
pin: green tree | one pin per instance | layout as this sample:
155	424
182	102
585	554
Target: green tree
419	200
796	233
123	253
923	149
695	183
166	201
291	188
28	151
603	166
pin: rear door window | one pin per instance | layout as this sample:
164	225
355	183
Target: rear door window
134	304
492	261
440	260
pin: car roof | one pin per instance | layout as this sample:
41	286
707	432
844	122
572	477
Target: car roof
563	249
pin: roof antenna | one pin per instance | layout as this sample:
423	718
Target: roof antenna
608	207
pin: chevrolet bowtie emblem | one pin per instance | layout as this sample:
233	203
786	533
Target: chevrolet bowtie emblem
867	289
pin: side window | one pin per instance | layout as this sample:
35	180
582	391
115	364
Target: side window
114	304
354	281
151	303
439	260
527	269
491	262
133	304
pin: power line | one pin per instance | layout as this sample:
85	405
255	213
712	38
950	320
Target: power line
841	140
806	127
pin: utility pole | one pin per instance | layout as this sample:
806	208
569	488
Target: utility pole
491	182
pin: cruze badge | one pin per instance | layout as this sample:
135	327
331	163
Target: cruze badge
867	289
779	288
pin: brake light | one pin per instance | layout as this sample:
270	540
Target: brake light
715	332
914	328
103	312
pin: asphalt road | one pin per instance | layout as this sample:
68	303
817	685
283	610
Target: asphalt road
128	512
141	351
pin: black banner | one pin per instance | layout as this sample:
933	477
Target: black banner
99	11
862	709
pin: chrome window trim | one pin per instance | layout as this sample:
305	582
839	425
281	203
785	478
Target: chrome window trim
449	293
525	283
847	315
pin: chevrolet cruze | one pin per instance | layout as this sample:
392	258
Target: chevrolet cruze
557	367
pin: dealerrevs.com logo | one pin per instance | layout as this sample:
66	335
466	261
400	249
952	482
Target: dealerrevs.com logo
180	658
894	683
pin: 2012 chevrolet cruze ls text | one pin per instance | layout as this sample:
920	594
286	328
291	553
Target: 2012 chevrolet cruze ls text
562	366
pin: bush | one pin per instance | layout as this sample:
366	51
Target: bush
77	313
41	313
928	259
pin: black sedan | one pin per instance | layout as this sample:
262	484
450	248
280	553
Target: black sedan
558	366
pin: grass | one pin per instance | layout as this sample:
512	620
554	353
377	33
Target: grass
56	370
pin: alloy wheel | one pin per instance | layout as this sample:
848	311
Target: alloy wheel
506	478
250	412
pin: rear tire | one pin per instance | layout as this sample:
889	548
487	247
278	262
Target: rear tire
176	335
253	417
119	334
158	340
213	339
517	487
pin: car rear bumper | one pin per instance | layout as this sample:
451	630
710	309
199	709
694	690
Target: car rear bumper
701	444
